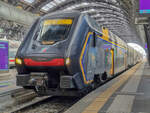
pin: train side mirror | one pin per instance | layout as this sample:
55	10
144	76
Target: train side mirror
94	39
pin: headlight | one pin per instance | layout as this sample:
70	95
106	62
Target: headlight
18	61
67	61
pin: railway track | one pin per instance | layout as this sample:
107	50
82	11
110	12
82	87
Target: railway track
21	101
26	105
23	96
50	104
10	100
26	101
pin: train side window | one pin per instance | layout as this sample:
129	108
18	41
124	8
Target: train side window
38	32
94	39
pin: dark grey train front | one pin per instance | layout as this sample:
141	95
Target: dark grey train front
66	53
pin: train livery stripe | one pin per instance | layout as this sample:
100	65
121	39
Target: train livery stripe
112	67
111	42
81	59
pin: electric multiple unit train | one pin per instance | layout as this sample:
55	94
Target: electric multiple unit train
65	53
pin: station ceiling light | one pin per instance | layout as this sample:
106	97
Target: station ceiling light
48	6
58	1
97	15
89	11
83	4
28	1
101	19
52	4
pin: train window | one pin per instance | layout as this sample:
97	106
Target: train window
54	30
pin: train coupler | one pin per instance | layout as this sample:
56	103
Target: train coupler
31	80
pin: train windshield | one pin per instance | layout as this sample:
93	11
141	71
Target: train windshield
54	30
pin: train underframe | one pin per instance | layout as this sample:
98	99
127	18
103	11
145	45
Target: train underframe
49	83
54	84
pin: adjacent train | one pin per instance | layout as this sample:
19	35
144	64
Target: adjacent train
66	53
12	54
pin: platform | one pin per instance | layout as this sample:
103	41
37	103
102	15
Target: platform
8	81
127	93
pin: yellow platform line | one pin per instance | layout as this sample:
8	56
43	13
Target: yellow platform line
99	102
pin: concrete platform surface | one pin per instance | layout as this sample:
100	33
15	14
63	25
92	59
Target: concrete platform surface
127	93
8	81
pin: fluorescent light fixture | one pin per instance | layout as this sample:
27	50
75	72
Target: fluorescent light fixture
52	4
101	19
29	1
48	6
92	10
89	11
114	1
70	8
85	3
97	15
58	1
77	5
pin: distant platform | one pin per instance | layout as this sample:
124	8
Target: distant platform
4	71
8	81
127	93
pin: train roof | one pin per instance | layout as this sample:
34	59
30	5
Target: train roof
63	14
92	24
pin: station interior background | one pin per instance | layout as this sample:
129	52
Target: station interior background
125	18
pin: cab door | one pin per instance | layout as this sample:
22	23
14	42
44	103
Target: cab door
91	61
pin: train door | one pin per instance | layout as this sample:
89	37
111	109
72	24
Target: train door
125	58
109	59
128	57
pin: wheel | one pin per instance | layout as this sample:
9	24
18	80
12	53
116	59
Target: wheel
103	77
97	81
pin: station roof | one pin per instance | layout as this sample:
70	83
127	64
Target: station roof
114	14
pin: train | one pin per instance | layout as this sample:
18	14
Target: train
67	53
12	54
